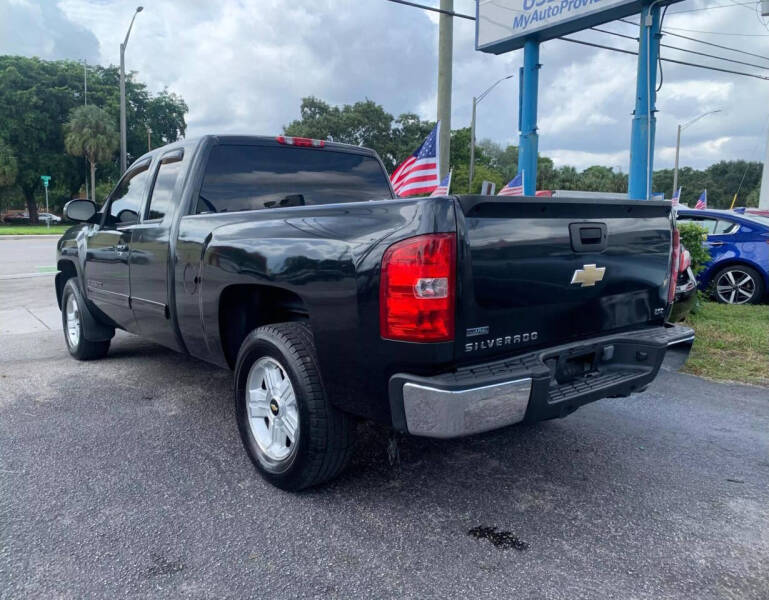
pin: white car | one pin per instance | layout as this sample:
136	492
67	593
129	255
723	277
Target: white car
46	217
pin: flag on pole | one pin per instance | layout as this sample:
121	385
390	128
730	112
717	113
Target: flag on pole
514	186
444	186
702	201
677	196
418	174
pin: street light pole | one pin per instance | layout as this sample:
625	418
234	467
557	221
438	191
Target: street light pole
471	172
122	93
472	150
678	142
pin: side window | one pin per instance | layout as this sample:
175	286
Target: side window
726	227
162	198
708	224
126	199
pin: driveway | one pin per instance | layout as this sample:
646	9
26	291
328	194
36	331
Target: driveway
125	477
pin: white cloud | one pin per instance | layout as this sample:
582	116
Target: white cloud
244	65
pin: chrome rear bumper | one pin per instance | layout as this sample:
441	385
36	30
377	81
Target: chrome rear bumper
534	386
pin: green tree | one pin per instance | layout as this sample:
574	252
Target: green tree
90	132
36	97
9	167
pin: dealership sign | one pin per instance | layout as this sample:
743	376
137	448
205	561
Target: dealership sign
504	25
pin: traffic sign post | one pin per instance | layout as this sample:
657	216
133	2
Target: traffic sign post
46	179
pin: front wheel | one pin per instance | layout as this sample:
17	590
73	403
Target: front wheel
738	284
72	308
293	435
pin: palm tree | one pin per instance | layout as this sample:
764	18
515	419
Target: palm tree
91	133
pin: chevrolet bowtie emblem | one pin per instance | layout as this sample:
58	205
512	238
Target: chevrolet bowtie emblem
588	275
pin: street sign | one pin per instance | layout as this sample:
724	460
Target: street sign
46	179
504	25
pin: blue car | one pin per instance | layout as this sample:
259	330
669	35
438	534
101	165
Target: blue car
739	247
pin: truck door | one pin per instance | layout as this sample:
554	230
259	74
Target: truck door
108	248
150	253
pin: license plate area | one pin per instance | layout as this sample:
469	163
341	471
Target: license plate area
570	366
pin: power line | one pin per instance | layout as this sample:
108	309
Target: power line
691	39
680	62
450	13
733	60
720	32
670	60
745	4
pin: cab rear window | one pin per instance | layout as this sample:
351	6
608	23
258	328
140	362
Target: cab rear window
241	177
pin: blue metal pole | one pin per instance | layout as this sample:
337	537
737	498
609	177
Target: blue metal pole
527	115
644	120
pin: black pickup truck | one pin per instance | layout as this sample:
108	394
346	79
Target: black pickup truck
291	261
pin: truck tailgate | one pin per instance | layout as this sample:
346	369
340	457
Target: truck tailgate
536	272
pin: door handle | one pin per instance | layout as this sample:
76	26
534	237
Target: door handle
716	243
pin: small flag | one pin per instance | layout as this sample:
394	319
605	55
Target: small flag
418	174
544	193
702	201
514	187
677	196
444	186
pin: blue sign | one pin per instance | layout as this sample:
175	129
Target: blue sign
504	25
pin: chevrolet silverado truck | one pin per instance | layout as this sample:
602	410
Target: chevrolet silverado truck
292	262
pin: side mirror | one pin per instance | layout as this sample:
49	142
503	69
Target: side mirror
127	217
80	210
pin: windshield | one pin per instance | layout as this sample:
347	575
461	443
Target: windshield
256	177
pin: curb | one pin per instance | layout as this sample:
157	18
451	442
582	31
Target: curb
34	236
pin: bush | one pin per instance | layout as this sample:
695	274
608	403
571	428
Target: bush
692	237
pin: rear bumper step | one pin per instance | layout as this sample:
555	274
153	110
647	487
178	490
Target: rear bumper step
535	386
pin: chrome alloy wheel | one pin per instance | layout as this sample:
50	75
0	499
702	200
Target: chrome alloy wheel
273	414
735	287
72	315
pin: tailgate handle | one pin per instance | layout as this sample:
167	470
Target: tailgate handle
588	237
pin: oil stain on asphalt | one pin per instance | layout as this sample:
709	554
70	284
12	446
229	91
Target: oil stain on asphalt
501	539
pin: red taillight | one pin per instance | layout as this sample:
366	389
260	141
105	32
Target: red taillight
299	141
416	292
674	264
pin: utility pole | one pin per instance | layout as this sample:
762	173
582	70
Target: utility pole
123	159
445	51
149	139
763	198
85	103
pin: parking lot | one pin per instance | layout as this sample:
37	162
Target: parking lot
126	477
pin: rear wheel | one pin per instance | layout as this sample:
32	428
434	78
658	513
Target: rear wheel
293	435
738	284
72	307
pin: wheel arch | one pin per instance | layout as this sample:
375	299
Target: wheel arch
245	306
735	262
67	270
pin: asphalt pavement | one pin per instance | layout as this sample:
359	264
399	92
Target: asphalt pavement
125	477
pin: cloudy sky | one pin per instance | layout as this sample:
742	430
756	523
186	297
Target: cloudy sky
244	65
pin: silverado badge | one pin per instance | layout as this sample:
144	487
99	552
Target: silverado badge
588	275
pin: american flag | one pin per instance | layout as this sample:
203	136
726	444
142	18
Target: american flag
702	201
418	174
444	186
514	187
677	196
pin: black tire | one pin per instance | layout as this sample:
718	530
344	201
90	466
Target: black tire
738	273
81	348
325	434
